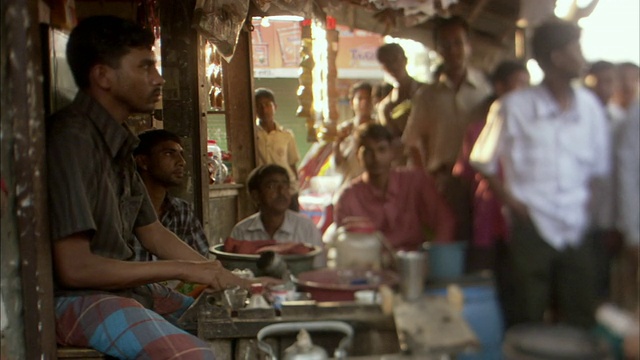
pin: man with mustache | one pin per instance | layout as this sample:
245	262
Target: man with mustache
399	202
160	163
99	208
269	187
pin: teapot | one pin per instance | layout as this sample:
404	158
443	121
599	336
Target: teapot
303	348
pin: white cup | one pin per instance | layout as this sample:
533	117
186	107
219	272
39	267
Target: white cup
366	297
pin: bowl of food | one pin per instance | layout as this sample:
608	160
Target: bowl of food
296	263
341	284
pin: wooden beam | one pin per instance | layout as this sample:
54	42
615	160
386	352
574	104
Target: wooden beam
183	109
23	164
239	106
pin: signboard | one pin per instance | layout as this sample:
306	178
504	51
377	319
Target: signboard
276	51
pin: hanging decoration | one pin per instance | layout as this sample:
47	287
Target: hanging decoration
147	16
220	22
305	80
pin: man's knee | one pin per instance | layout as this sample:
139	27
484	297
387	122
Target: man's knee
178	347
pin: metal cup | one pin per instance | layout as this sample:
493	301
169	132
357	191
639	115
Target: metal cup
412	266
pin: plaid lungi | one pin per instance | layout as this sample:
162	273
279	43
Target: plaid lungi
121	327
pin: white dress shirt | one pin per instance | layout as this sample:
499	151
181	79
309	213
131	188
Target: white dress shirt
295	228
440	115
548	157
628	177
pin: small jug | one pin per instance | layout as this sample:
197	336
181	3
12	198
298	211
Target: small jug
358	246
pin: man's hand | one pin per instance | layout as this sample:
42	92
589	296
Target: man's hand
216	277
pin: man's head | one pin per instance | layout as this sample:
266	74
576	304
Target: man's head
265	104
269	186
451	37
159	158
360	97
556	48
393	60
601	79
508	76
374	148
629	76
115	56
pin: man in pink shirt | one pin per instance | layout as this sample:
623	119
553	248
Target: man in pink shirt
403	204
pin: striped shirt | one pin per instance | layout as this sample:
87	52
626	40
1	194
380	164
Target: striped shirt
180	219
93	186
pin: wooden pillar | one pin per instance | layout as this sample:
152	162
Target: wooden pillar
26	249
239	106
183	99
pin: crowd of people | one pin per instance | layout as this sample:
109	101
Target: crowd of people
541	183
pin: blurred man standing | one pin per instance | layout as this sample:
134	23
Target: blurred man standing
441	113
551	142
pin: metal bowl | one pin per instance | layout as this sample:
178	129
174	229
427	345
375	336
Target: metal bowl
296	263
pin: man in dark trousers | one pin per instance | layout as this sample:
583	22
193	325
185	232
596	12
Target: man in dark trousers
551	142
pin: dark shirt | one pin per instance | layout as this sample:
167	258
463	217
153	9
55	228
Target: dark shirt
180	219
93	185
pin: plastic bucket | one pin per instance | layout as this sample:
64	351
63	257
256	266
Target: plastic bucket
483	314
446	260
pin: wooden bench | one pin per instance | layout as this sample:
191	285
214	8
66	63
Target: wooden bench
76	353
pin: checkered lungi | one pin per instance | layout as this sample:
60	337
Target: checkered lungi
122	328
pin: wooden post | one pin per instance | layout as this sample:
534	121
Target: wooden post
26	249
183	100
239	106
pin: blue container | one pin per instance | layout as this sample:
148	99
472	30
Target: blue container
446	260
482	312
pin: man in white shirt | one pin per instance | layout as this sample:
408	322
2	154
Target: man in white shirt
551	141
269	187
627	155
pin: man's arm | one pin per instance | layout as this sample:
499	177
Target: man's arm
77	267
438	214
484	158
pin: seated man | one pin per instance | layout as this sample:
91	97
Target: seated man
99	208
161	166
399	202
268	186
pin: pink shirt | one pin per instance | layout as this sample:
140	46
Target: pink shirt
410	205
488	223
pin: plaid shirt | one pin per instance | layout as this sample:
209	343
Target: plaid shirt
180	219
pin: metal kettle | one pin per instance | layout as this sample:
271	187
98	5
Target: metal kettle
304	349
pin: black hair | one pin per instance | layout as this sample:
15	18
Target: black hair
105	40
600	66
373	131
628	65
388	53
442	23
361	85
258	174
150	138
552	35
264	93
505	69
382	89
